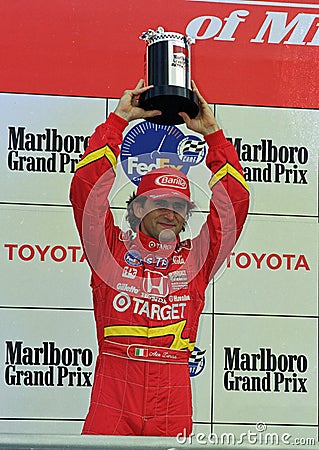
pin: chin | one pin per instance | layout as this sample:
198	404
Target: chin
167	235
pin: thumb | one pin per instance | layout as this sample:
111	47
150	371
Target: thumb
185	116
152	113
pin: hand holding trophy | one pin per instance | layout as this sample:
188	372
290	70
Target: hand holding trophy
168	70
205	122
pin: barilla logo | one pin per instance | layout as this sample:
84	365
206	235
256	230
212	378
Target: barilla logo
171	180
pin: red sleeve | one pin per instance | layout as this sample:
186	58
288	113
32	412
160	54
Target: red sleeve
92	182
228	206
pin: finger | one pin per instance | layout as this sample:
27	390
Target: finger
134	101
138	87
140	84
199	95
145	88
152	113
139	91
194	87
185	116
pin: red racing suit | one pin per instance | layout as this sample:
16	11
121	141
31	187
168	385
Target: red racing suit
148	295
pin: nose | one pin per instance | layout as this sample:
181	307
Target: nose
169	214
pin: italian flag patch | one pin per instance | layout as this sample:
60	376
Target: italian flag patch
141	352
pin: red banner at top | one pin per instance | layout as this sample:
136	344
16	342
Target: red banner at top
245	52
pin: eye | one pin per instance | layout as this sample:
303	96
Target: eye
179	207
160	203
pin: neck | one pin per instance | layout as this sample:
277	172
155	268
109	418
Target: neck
153	244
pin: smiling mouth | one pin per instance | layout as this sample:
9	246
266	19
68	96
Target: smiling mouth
167	225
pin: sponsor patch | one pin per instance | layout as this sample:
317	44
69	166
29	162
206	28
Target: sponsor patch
125	236
178	279
196	362
178	259
129	272
155	283
156	261
127	288
171	180
142	352
121	302
160	245
191	151
133	258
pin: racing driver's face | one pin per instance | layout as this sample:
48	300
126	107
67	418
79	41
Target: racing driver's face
162	219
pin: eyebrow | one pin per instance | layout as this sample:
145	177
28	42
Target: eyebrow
174	203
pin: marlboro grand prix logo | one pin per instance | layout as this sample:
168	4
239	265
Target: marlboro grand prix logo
47	365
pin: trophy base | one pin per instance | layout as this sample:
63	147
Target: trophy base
170	100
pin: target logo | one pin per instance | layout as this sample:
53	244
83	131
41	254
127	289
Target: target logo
121	302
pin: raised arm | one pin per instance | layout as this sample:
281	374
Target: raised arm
229	194
100	158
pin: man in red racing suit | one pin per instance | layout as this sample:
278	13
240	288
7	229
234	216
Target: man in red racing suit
148	288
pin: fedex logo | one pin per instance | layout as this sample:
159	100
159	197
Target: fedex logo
142	168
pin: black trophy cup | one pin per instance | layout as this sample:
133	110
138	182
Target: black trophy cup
168	69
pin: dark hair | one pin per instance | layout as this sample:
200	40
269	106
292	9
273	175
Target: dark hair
131	218
134	221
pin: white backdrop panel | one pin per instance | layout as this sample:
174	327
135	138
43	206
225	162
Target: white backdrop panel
289	171
60	394
29	130
273	269
41	258
277	401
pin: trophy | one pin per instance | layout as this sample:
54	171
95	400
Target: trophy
167	67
